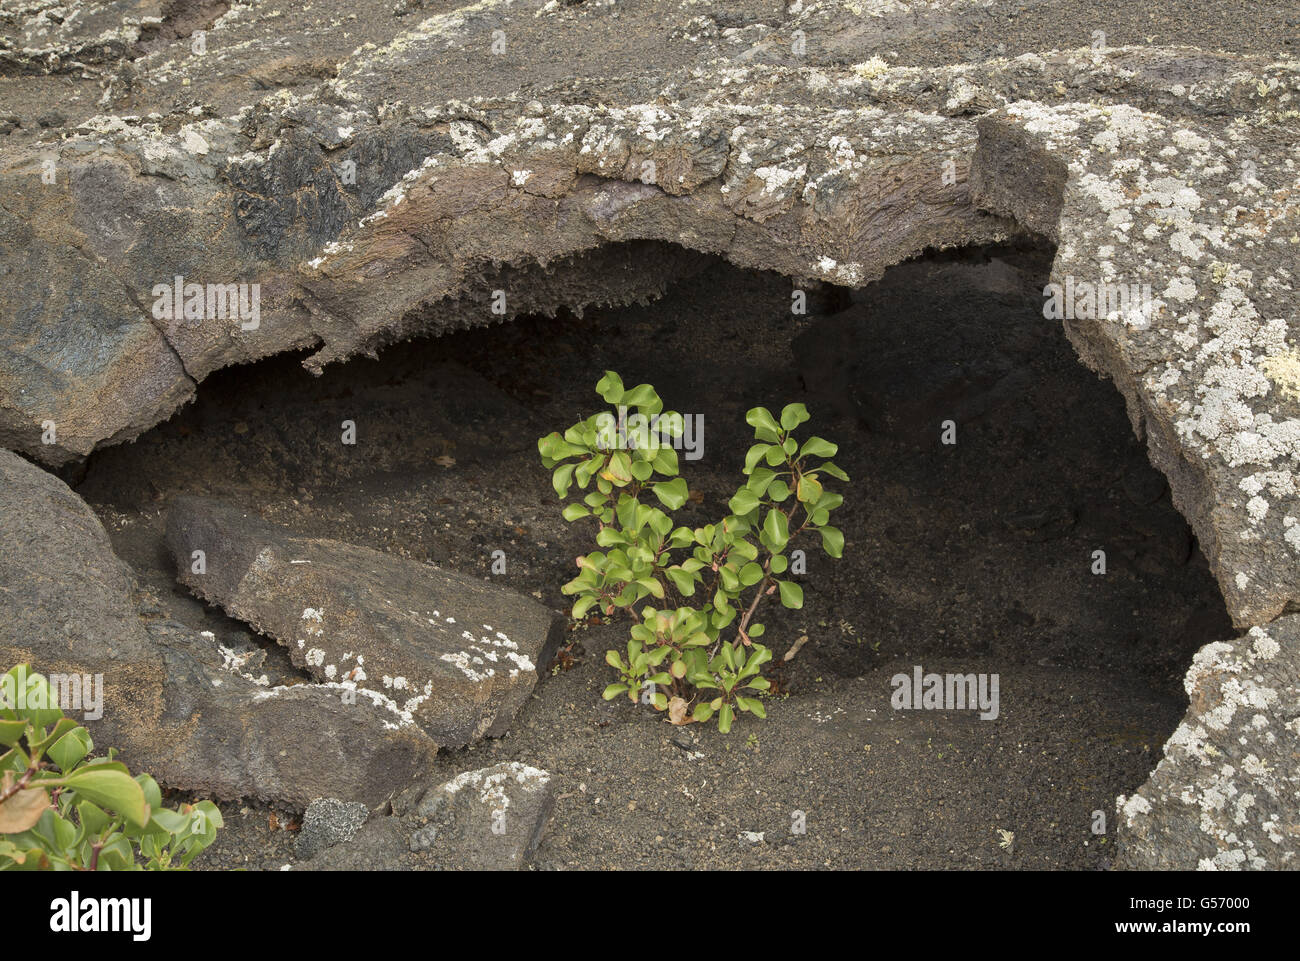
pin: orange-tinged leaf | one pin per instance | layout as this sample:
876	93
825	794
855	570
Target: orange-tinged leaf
22	810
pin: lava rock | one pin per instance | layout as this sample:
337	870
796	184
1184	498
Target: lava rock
491	819
1224	797
453	654
168	703
327	822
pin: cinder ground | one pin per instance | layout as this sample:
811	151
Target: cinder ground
972	558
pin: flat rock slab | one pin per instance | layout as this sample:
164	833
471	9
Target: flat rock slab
491	819
454	655
168	702
1226	795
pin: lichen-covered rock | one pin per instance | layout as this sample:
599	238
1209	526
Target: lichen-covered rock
327	822
1179	238
491	819
1226	795
168	703
451	654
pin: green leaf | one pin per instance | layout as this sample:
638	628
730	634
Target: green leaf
610	388
776	530
743	502
112	790
665	461
751	574
70	748
39	702
643	397
759	480
832	541
751	704
765	427
652	585
818	447
791	594
619	469
829	468
574	512
809	490
754	455
626	511
682	580
11	732
562	478
672	494
702	712
583	604
792	415
725	717
610	537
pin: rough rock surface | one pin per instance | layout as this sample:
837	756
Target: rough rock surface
452	654
1225	795
771	158
327	822
491	819
773	134
169	704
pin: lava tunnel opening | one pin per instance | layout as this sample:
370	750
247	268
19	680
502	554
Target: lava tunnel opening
988	469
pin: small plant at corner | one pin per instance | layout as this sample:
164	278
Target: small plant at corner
693	593
61	810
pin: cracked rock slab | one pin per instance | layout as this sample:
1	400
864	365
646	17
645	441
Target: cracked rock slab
491	819
451	654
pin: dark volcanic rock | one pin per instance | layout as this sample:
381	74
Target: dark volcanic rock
486	820
327	822
453	654
168	704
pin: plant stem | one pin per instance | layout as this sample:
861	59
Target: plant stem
21	783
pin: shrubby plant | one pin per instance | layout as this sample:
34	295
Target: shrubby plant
693	651
61	810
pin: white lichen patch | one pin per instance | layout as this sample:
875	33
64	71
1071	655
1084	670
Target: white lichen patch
494	784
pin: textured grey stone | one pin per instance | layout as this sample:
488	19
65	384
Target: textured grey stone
455	655
1226	794
327	822
170	706
491	819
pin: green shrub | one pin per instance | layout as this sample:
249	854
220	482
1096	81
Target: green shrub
61	810
677	657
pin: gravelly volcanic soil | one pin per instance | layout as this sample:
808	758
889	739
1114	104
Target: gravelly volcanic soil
973	557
